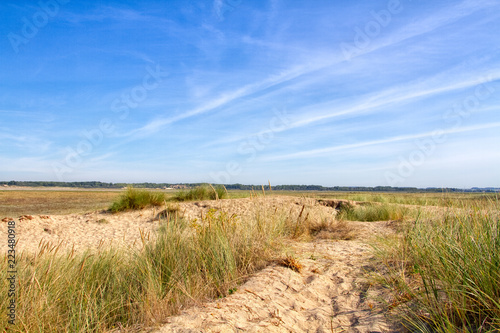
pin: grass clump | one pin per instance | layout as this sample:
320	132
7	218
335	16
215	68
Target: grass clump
292	263
204	192
372	212
329	228
134	199
446	273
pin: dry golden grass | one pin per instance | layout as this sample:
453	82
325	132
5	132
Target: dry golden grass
292	263
36	202
333	229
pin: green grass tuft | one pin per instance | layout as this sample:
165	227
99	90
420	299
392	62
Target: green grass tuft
372	212
134	199
204	192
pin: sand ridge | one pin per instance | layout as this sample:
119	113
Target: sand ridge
95	229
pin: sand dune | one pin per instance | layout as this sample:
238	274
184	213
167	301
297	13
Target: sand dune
330	294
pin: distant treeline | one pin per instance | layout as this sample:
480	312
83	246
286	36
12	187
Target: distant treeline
101	185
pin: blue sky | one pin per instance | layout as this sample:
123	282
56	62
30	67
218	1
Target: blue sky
362	93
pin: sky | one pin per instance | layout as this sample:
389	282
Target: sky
333	93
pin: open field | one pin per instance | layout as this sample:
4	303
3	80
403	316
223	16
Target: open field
262	262
14	203
44	201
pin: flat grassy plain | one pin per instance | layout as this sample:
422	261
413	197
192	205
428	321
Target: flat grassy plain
419	199
14	203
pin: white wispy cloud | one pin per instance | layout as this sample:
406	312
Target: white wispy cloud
426	25
25	143
318	63
328	150
223	99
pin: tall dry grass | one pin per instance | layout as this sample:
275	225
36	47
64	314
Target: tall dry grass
374	212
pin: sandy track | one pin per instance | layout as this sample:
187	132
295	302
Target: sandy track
331	294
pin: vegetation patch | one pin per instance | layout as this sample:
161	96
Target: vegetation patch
445	273
134	199
333	229
372	212
292	263
170	210
203	192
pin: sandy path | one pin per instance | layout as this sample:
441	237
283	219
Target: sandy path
330	294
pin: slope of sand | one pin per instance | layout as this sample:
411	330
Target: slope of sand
329	294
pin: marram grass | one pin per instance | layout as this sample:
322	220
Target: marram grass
203	192
446	273
134	199
373	212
